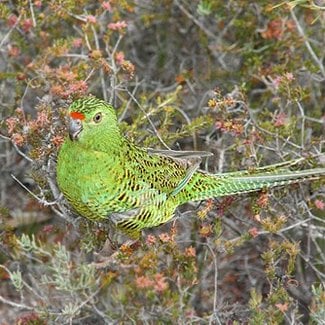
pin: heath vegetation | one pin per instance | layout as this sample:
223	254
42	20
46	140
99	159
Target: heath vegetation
243	80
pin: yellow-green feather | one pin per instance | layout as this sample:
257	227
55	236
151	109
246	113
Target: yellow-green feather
104	176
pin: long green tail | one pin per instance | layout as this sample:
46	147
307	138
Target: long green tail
204	186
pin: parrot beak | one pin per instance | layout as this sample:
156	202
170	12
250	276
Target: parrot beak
74	128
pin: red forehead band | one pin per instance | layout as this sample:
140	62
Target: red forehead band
77	116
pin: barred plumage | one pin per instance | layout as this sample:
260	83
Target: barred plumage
104	176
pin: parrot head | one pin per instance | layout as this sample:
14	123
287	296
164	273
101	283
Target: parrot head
90	120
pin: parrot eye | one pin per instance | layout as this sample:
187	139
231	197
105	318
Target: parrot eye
97	118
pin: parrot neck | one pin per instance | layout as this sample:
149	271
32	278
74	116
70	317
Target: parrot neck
110	142
113	142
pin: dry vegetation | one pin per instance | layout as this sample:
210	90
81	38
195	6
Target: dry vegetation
243	80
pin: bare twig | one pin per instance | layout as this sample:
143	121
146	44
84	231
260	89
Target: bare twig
32	12
5	38
149	120
15	304
16	148
307	44
42	201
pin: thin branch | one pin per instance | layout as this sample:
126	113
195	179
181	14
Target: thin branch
307	44
32	12
16	148
195	21
150	122
14	304
9	32
101	71
42	201
302	124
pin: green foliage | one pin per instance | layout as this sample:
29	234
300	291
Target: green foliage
318	304
204	8
148	283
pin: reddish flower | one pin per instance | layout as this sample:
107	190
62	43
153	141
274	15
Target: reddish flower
160	283
237	128
274	29
180	79
12	20
218	124
42	119
107	6
277	81
129	68
57	140
120	57
253	232
118	25
143	282
91	19
190	252
38	3
19	111
319	204
21	76
280	119
27	25
263	200
77	42
164	237
30	318
291	25
150	240
11	124
289	76
18	139
282	307
48	229
57	90
78	86
65	73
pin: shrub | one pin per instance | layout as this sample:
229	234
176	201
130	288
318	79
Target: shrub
242	80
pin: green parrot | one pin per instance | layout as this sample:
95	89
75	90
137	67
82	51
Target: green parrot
104	176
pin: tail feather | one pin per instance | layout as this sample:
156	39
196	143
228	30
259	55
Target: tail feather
203	186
